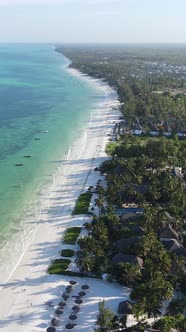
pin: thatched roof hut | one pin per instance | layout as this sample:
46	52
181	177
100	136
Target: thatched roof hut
173	246
131	217
125	308
120	258
123	244
169	233
136	229
138	188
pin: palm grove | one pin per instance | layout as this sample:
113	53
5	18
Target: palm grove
142	170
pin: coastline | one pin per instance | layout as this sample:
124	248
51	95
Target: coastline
29	287
22	233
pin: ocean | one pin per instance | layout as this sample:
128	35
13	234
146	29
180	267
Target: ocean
43	109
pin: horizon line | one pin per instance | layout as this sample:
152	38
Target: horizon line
92	43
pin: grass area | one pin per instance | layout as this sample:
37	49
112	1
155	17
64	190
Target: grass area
82	204
58	266
67	253
71	235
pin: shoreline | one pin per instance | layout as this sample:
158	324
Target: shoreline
28	228
29	287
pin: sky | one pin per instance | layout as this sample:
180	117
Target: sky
93	21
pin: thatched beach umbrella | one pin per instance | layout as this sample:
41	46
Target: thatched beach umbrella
62	304
81	293
58	312
69	326
50	303
78	301
55	321
76	308
73	317
68	291
72	282
76	296
51	329
65	296
69	287
85	287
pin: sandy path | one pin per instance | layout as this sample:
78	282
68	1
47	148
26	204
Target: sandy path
22	299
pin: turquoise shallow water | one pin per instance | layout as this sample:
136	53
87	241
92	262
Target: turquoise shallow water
38	99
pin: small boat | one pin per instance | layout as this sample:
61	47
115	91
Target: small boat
19	164
45	131
37	138
27	156
17	186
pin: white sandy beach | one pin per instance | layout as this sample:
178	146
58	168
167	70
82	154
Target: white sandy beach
23	298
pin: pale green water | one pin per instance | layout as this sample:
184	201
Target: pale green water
36	94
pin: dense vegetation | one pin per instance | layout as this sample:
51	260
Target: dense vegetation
71	235
58	266
82	204
67	253
150	82
148	173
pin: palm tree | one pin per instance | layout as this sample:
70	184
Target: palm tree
100	204
104	318
100	233
158	260
150	294
111	221
127	273
85	263
176	307
147	301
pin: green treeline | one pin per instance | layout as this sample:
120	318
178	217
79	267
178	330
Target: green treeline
150	82
145	172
